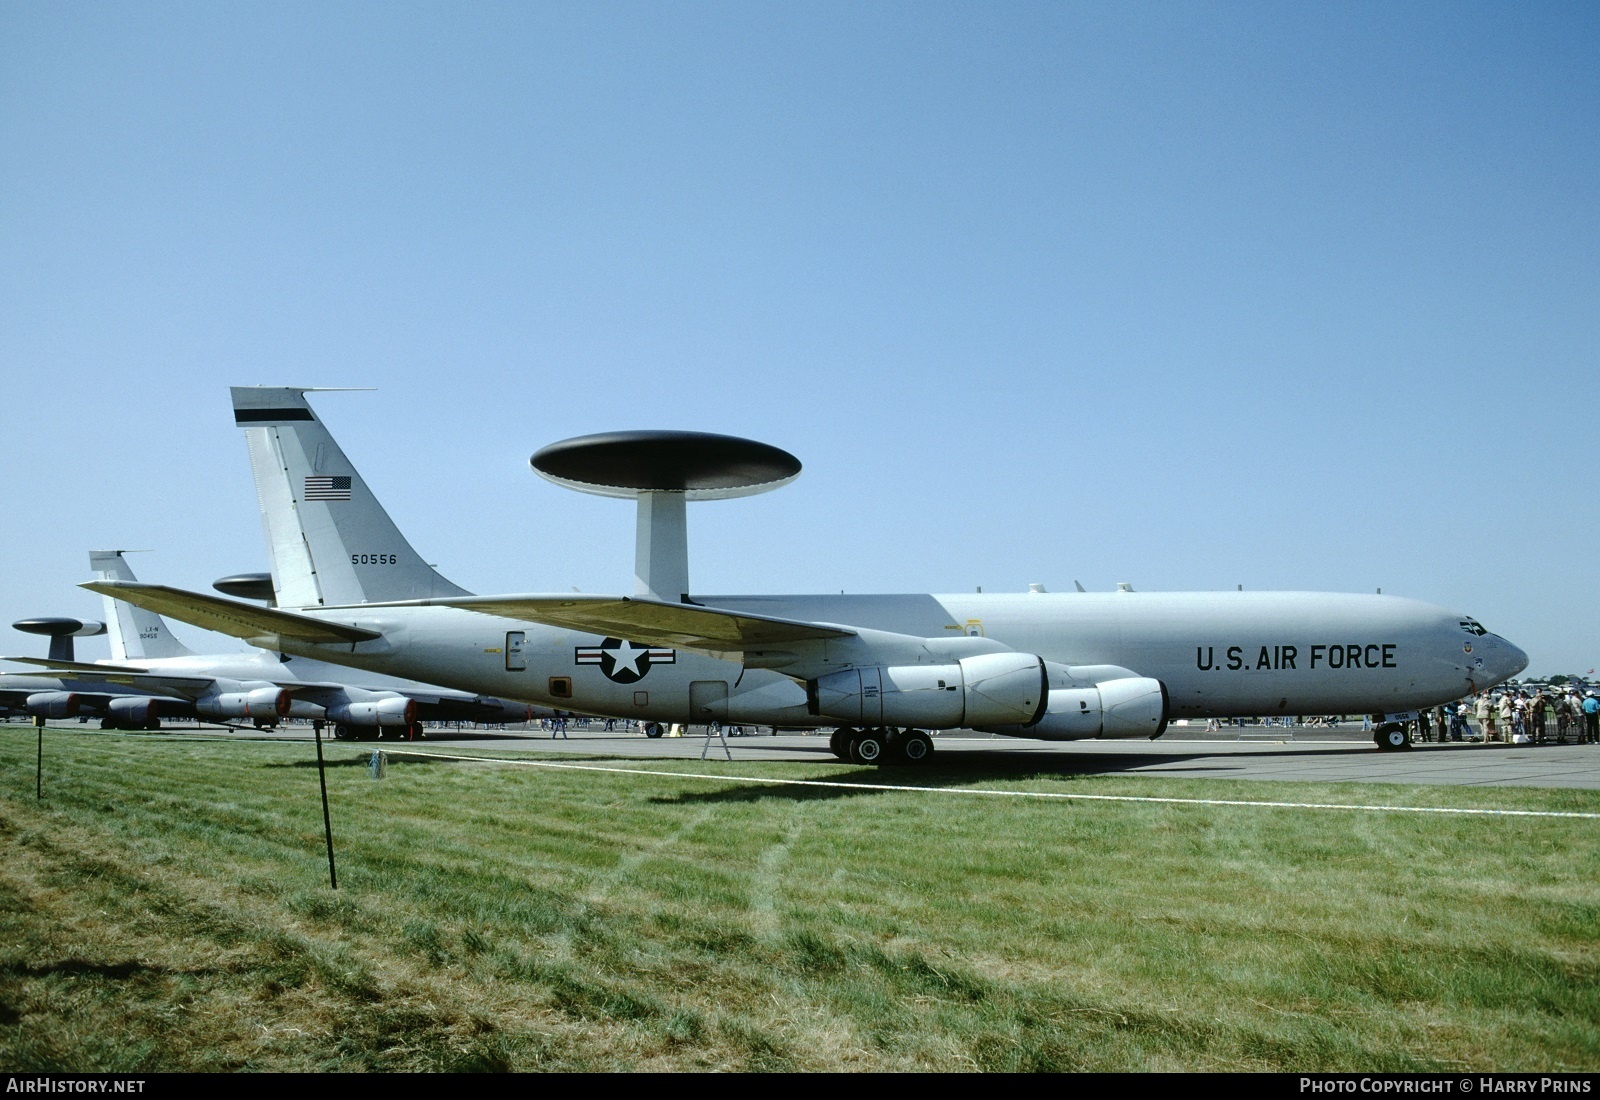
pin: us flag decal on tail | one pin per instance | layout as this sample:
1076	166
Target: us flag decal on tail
319	487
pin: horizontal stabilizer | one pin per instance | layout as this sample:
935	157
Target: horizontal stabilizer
252	622
680	625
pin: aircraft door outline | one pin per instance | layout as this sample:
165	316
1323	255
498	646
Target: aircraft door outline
708	701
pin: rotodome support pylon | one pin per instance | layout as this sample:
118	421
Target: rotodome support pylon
663	471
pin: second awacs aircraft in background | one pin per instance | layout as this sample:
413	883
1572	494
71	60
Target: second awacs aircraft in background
151	675
882	670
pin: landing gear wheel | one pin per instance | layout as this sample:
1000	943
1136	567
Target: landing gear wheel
916	747
652	729
1391	737
839	742
868	747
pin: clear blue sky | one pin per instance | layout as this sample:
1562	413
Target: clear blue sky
1298	296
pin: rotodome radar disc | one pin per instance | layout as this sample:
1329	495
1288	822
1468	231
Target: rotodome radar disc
701	465
56	627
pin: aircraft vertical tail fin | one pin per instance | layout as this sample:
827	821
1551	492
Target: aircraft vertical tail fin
135	634
329	540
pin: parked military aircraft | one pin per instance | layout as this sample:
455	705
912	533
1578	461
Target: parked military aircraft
153	675
62	696
880	669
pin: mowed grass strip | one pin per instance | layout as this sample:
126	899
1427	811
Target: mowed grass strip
166	907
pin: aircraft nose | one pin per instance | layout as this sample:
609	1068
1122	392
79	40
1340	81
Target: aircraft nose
1503	660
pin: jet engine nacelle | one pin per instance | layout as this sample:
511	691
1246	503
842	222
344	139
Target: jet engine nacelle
54	704
131	711
394	711
1132	707
267	702
987	690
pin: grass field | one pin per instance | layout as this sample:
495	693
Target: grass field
166	907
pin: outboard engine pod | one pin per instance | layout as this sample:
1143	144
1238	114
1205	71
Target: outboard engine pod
1135	706
53	704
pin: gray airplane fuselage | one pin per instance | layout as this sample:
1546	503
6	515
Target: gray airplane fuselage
1218	654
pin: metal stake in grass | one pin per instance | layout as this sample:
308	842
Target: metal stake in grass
38	771
327	825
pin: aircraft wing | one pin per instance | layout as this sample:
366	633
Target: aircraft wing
257	625
442	704
67	667
679	625
433	704
174	687
471	708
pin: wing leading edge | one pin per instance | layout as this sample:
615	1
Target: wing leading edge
685	626
689	626
678	625
261	626
65	667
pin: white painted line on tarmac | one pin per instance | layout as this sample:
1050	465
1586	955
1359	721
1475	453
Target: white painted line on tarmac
1349	807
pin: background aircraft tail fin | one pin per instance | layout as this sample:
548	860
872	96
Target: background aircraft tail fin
134	633
329	539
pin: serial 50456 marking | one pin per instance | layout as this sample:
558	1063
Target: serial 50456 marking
1280	657
374	559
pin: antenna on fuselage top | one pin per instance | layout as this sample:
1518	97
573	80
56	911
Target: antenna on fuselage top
663	471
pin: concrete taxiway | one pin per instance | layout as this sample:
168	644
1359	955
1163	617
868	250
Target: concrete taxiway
1304	756
1344	755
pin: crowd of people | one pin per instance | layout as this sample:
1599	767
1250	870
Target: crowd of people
1521	716
557	727
1528	715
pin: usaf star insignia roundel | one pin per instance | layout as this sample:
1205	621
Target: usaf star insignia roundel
622	661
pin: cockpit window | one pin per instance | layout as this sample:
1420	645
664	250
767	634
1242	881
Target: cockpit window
1471	626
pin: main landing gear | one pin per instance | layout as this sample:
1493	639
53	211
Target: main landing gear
345	732
881	745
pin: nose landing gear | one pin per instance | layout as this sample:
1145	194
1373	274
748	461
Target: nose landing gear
1392	736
